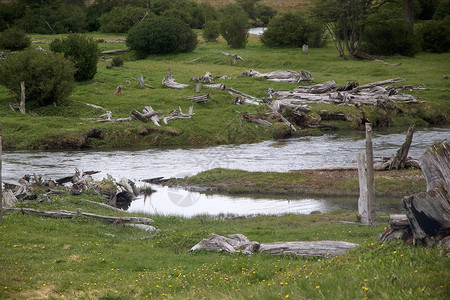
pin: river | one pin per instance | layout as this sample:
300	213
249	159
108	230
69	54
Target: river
332	149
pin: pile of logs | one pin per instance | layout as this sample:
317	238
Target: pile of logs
118	194
427	218
240	243
350	93
149	114
282	76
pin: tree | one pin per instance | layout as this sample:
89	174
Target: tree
293	30
161	35
234	26
82	51
345	20
48	77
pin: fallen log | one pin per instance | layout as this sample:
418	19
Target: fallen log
237	93
282	76
115	51
233	57
371	85
326	87
239	100
217	86
169	82
240	243
61	214
148	110
200	99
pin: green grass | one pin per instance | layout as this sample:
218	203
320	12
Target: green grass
87	259
305	183
214	122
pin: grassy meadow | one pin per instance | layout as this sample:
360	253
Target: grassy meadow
79	258
65	127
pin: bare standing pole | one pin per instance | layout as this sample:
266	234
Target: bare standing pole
370	180
1	182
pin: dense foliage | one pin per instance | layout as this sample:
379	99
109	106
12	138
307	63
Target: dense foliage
259	14
14	39
211	31
121	19
161	35
234	26
294	30
435	36
48	77
393	37
82	51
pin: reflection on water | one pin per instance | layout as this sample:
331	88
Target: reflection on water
179	202
335	149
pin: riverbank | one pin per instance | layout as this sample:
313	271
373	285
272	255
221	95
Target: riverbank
313	183
216	122
86	258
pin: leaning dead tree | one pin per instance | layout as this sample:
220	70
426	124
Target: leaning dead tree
282	76
428	213
240	243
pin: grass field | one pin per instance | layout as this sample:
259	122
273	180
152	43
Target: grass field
44	258
214	122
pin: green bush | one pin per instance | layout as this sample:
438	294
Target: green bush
211	31
117	62
14	39
392	37
53	18
435	36
48	76
234	26
121	19
161	35
82	51
294	30
442	10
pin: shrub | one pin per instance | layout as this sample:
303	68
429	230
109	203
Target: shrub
53	18
234	26
117	62
435	36
211	31
393	37
293	30
161	35
14	39
48	76
121	19
82	51
442	10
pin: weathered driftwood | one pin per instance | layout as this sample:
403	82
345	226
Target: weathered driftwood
399	160
141	82
207	78
326	87
169	82
148	110
178	114
104	205
148	228
61	214
258	121
378	83
146	116
428	213
115	51
198	88
200	99
240	100
217	86
282	76
22	98
240	243
233	57
237	93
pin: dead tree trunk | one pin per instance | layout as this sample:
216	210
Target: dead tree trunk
1	182
370	180
428	213
399	160
22	98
